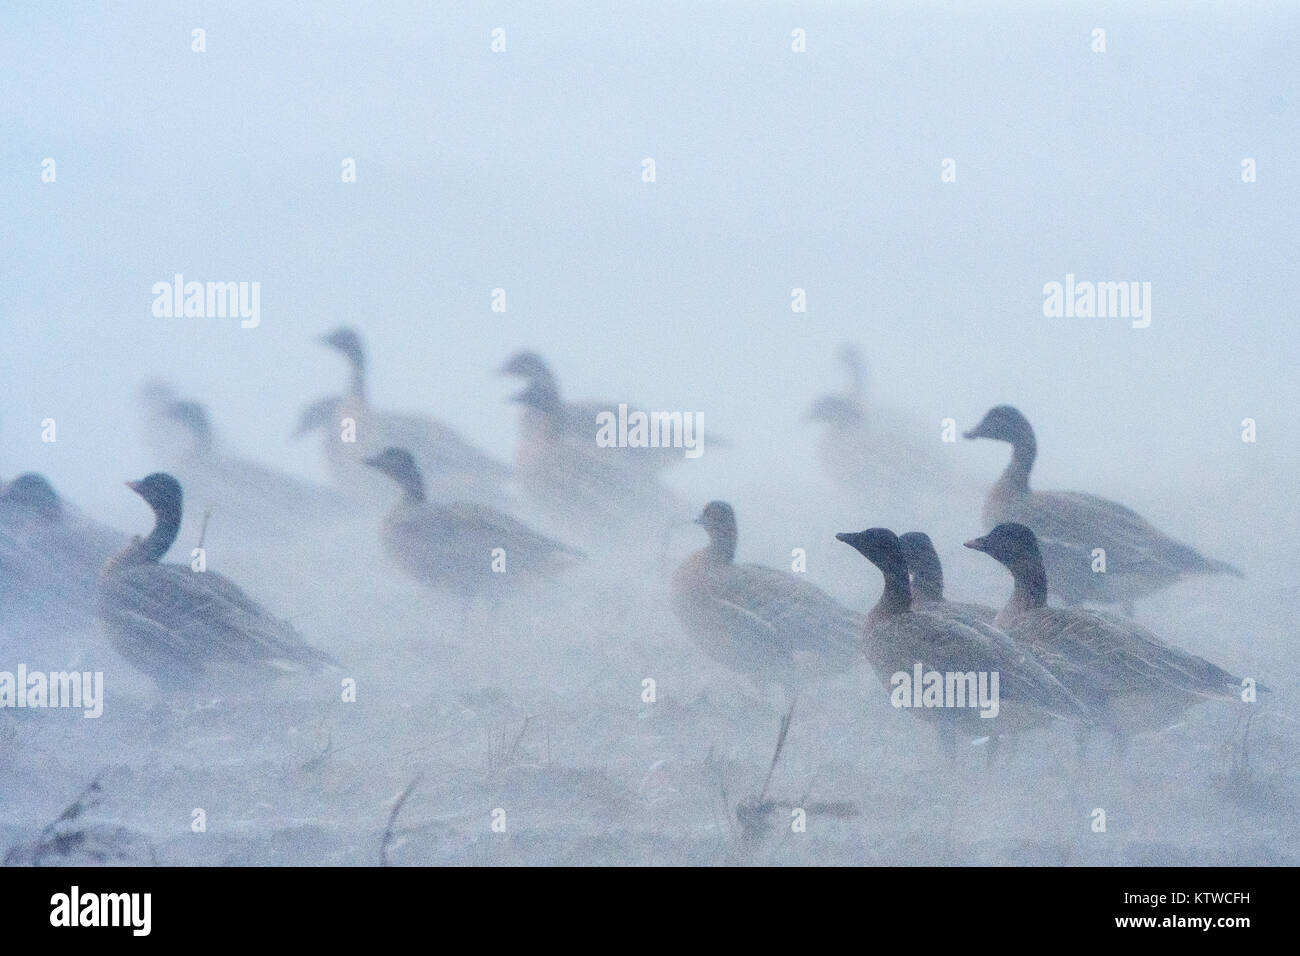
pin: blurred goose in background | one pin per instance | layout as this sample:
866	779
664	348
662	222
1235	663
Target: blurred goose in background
1069	525
453	546
878	457
576	482
453	467
575	421
900	637
183	627
1132	680
246	497
925	573
50	556
771	626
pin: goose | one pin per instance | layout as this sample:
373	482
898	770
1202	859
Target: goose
1131	679
925	573
901	638
184	628
577	482
451	464
247	496
863	448
454	546
543	418
50	556
768	625
1070	525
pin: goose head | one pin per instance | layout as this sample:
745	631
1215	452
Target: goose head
33	496
922	565
399	464
346	341
539	394
525	365
162	493
879	546
1010	544
320	414
719	520
1003	423
1016	549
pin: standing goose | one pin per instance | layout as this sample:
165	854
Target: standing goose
247	497
573	420
453	546
1070	525
183	627
454	467
874	454
561	467
1132	679
768	625
900	637
925	573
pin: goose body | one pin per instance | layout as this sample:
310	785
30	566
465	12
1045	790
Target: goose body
452	466
1070	525
765	624
453	546
182	627
1133	680
246	496
877	455
574	422
900	636
562	469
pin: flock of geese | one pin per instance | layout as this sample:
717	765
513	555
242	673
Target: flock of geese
455	528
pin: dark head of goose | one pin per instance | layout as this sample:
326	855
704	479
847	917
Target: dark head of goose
321	414
162	493
1009	544
719	520
1016	548
923	565
542	391
879	546
399	464
31	495
539	394
1003	423
527	365
346	341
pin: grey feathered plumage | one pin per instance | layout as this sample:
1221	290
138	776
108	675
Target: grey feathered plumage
1070	525
182	627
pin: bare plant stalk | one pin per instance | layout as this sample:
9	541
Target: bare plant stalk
392	819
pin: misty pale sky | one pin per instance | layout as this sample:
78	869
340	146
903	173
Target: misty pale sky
774	170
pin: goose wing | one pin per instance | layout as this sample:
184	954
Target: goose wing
1074	523
814	621
470	520
204	616
1111	656
954	646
